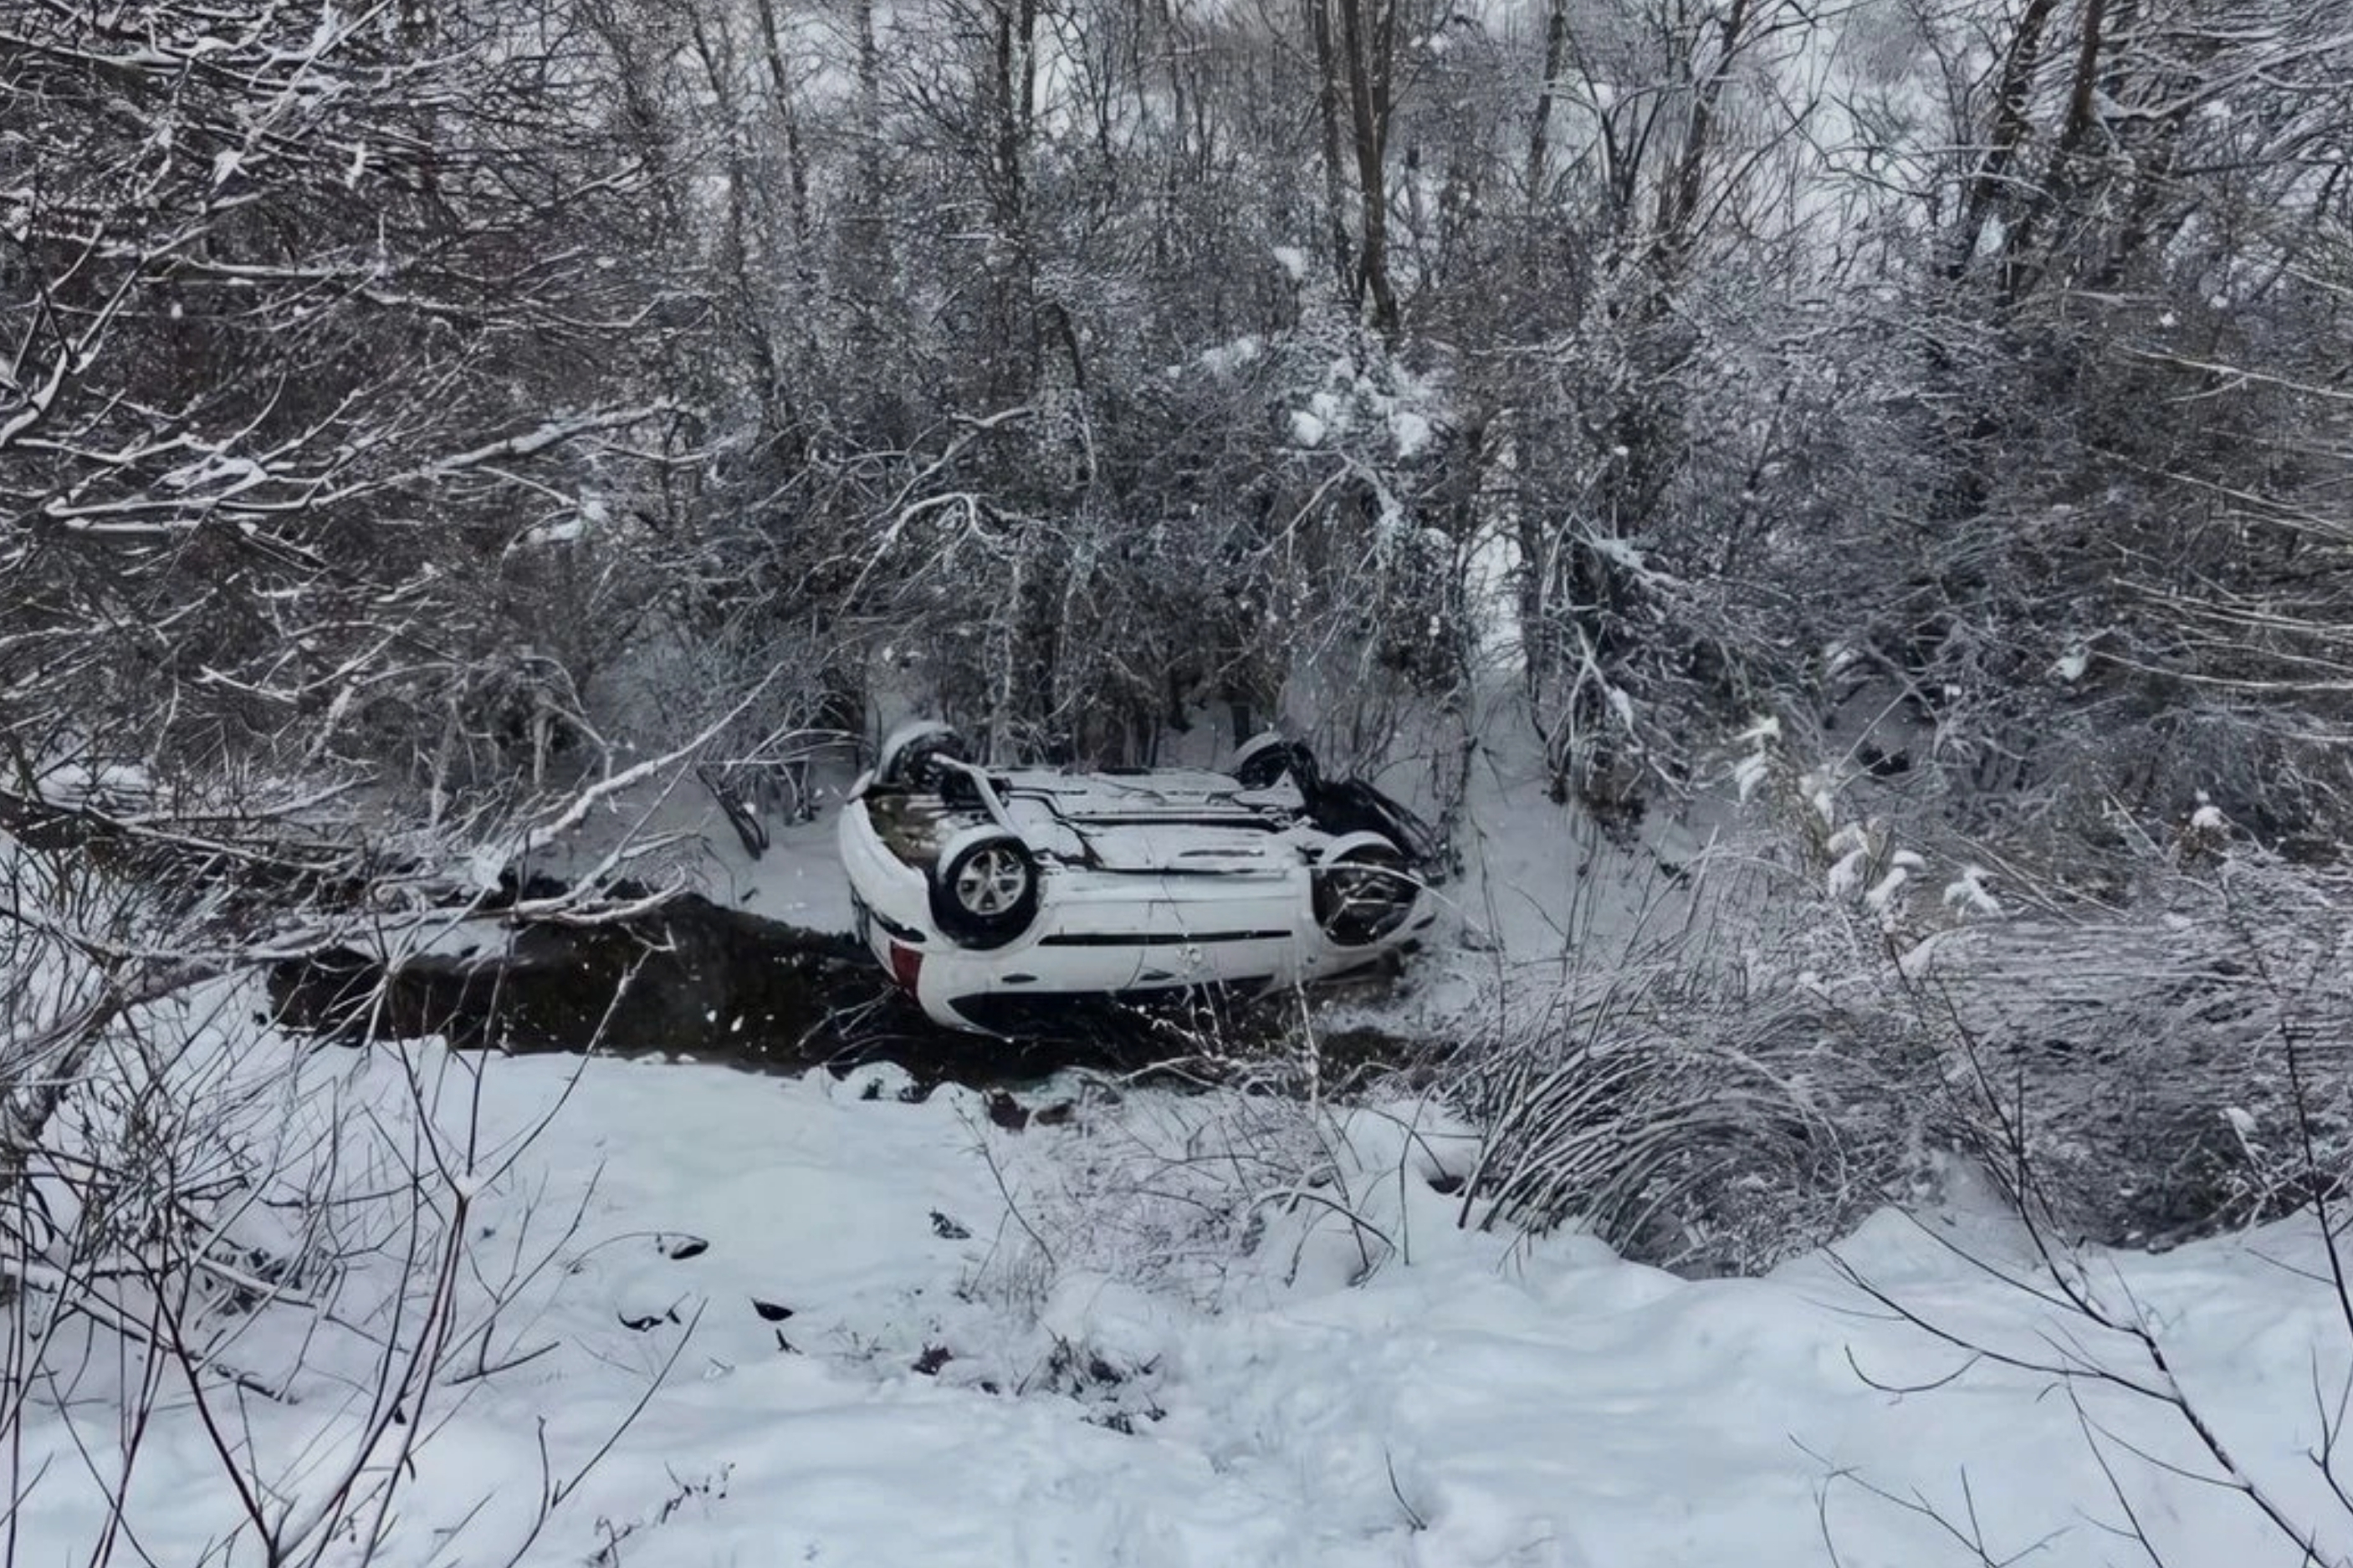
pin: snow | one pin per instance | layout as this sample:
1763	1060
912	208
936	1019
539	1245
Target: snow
1224	359
1392	413
106	787
1749	772
484	866
1111	1323
567	531
1967	894
1622	705
1882	898
1622	552
216	470
1395	1391
873	1327
797	881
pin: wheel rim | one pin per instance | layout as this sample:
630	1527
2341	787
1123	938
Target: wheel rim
992	882
1362	888
1367	898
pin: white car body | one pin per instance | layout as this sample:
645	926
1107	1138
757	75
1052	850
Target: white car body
1146	882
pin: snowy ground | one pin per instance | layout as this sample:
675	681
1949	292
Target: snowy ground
756	1321
1183	1331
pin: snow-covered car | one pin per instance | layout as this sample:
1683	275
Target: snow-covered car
994	896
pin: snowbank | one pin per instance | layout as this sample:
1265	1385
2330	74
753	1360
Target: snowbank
889	1338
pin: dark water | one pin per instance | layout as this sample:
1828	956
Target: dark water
701	981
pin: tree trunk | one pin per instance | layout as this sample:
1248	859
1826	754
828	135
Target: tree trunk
780	81
1555	60
1345	276
1368	62
2009	137
870	259
2063	174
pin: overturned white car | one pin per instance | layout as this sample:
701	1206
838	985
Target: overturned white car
995	897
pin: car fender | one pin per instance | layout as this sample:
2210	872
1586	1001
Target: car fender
878	880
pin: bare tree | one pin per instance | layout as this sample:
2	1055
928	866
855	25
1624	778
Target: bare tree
286	309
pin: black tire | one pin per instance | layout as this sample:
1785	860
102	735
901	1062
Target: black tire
1363	891
1352	806
910	756
956	787
984	888
1261	762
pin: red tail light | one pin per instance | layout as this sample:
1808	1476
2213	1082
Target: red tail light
906	965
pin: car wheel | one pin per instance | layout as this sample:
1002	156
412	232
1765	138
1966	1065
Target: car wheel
1260	762
1363	890
911	754
984	887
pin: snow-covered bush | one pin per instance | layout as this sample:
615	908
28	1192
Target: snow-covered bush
1157	1193
1851	998
2196	1078
1714	1097
2135	1050
1214	1197
316	1253
2171	1068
